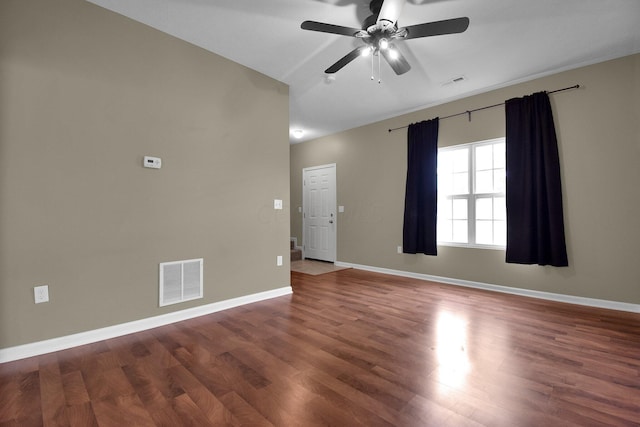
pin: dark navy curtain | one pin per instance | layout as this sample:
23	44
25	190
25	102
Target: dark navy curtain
420	203
535	224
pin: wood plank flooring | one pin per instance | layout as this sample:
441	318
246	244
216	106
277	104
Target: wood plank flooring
349	348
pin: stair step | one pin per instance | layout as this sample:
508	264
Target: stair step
296	254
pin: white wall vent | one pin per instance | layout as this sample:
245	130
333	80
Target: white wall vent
180	281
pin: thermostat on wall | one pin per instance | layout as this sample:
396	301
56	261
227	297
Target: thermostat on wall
152	162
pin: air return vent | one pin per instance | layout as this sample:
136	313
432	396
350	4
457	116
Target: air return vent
455	80
180	281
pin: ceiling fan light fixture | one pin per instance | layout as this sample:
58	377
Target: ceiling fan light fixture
380	29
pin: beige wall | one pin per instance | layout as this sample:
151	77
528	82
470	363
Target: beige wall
84	95
599	138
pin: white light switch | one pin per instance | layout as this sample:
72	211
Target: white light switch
277	204
341	209
279	260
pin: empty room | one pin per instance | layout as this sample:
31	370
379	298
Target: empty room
458	182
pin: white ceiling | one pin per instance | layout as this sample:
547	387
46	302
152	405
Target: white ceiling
507	41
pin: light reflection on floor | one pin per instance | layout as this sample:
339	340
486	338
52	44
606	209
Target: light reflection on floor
451	351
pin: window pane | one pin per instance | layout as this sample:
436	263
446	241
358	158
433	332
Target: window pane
484	232
460	160
460	233
460	183
444	208
484	157
499	180
499	208
500	233
445	162
484	208
459	209
445	184
484	182
499	155
444	230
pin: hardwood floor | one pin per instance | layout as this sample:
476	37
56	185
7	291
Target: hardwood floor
348	348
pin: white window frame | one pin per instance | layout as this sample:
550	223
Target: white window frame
472	196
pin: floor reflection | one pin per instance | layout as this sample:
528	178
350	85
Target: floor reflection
451	351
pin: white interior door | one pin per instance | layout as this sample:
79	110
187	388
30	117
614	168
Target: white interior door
319	212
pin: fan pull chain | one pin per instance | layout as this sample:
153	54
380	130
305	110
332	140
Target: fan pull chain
372	55
372	71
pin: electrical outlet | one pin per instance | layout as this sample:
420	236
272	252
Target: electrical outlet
41	294
277	204
399	249
279	260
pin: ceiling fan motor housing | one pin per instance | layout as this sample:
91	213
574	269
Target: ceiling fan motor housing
375	6
371	24
369	21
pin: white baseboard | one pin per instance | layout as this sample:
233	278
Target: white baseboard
590	302
56	344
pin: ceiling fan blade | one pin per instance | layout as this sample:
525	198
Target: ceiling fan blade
437	28
345	59
390	11
329	28
398	63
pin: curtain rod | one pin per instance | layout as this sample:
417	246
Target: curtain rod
468	112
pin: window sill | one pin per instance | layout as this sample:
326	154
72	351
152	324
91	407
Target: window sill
472	246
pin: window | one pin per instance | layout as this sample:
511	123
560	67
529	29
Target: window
471	194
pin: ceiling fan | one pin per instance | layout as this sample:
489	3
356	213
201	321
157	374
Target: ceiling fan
380	30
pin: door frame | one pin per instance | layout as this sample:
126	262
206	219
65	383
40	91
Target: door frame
334	239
